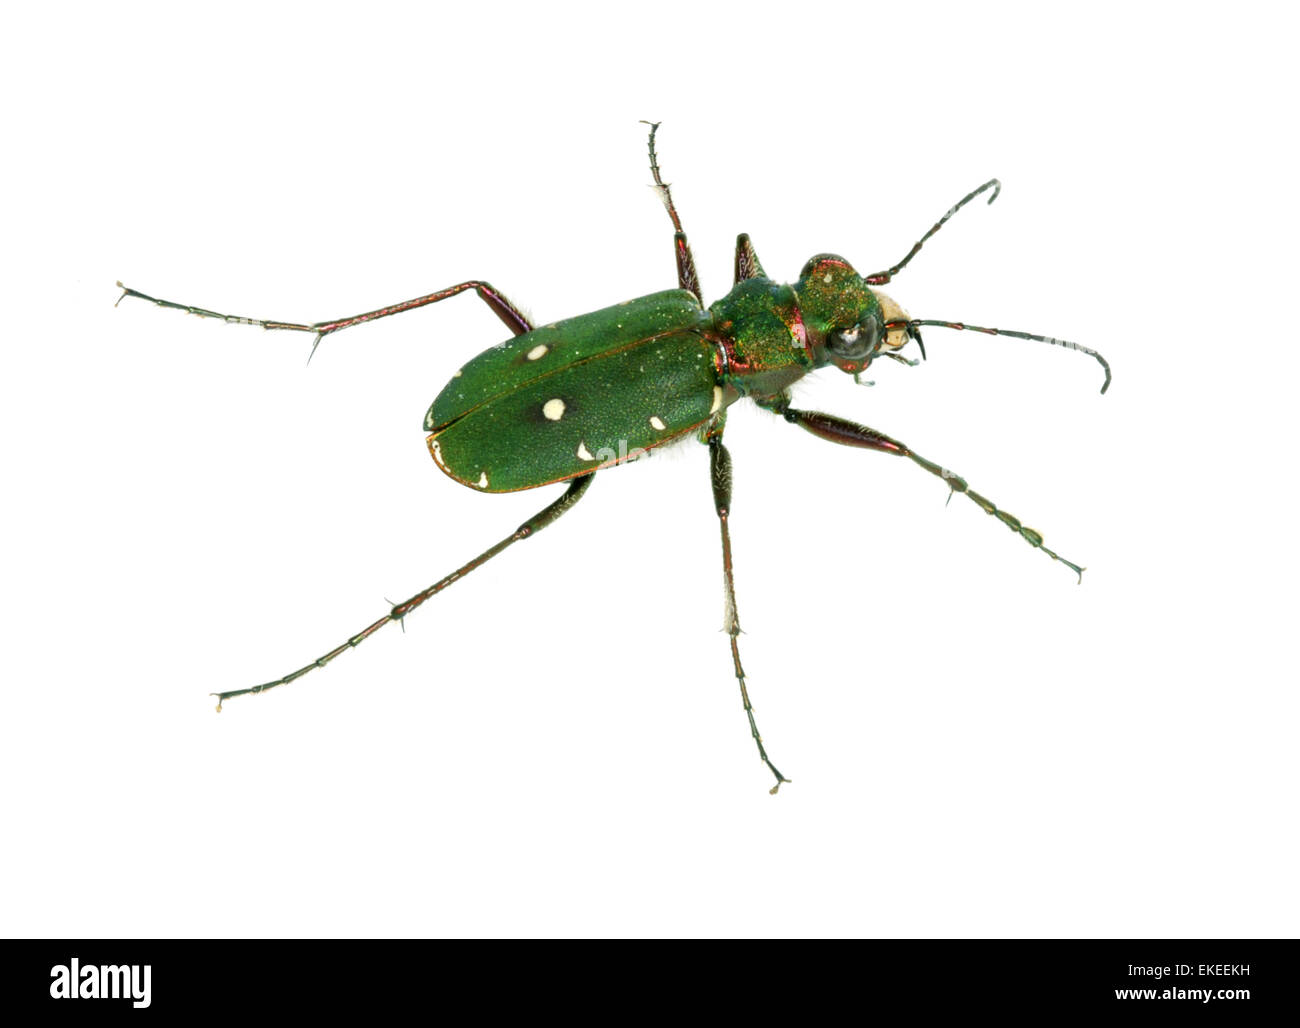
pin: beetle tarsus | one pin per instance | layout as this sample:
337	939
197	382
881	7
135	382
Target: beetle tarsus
780	778
758	740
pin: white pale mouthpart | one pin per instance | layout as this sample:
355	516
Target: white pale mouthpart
553	410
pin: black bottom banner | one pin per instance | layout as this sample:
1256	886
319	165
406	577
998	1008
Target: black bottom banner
141	980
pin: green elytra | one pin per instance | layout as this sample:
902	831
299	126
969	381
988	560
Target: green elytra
563	401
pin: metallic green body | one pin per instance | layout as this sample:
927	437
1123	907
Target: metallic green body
600	389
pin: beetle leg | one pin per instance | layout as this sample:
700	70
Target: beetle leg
514	318
747	262
686	275
720	467
530	527
848	433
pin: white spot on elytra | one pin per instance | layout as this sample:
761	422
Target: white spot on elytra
827	278
482	480
717	400
538	352
658	423
553	409
583	452
458	374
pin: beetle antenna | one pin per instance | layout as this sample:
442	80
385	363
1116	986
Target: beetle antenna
1050	340
881	277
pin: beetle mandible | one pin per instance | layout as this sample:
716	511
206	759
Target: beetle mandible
578	387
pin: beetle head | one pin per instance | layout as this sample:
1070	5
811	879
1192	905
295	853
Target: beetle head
846	319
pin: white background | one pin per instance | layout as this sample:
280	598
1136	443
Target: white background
556	746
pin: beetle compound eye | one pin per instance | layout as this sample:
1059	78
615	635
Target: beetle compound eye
874	331
859	341
847	342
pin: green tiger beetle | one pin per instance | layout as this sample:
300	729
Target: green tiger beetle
561	402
